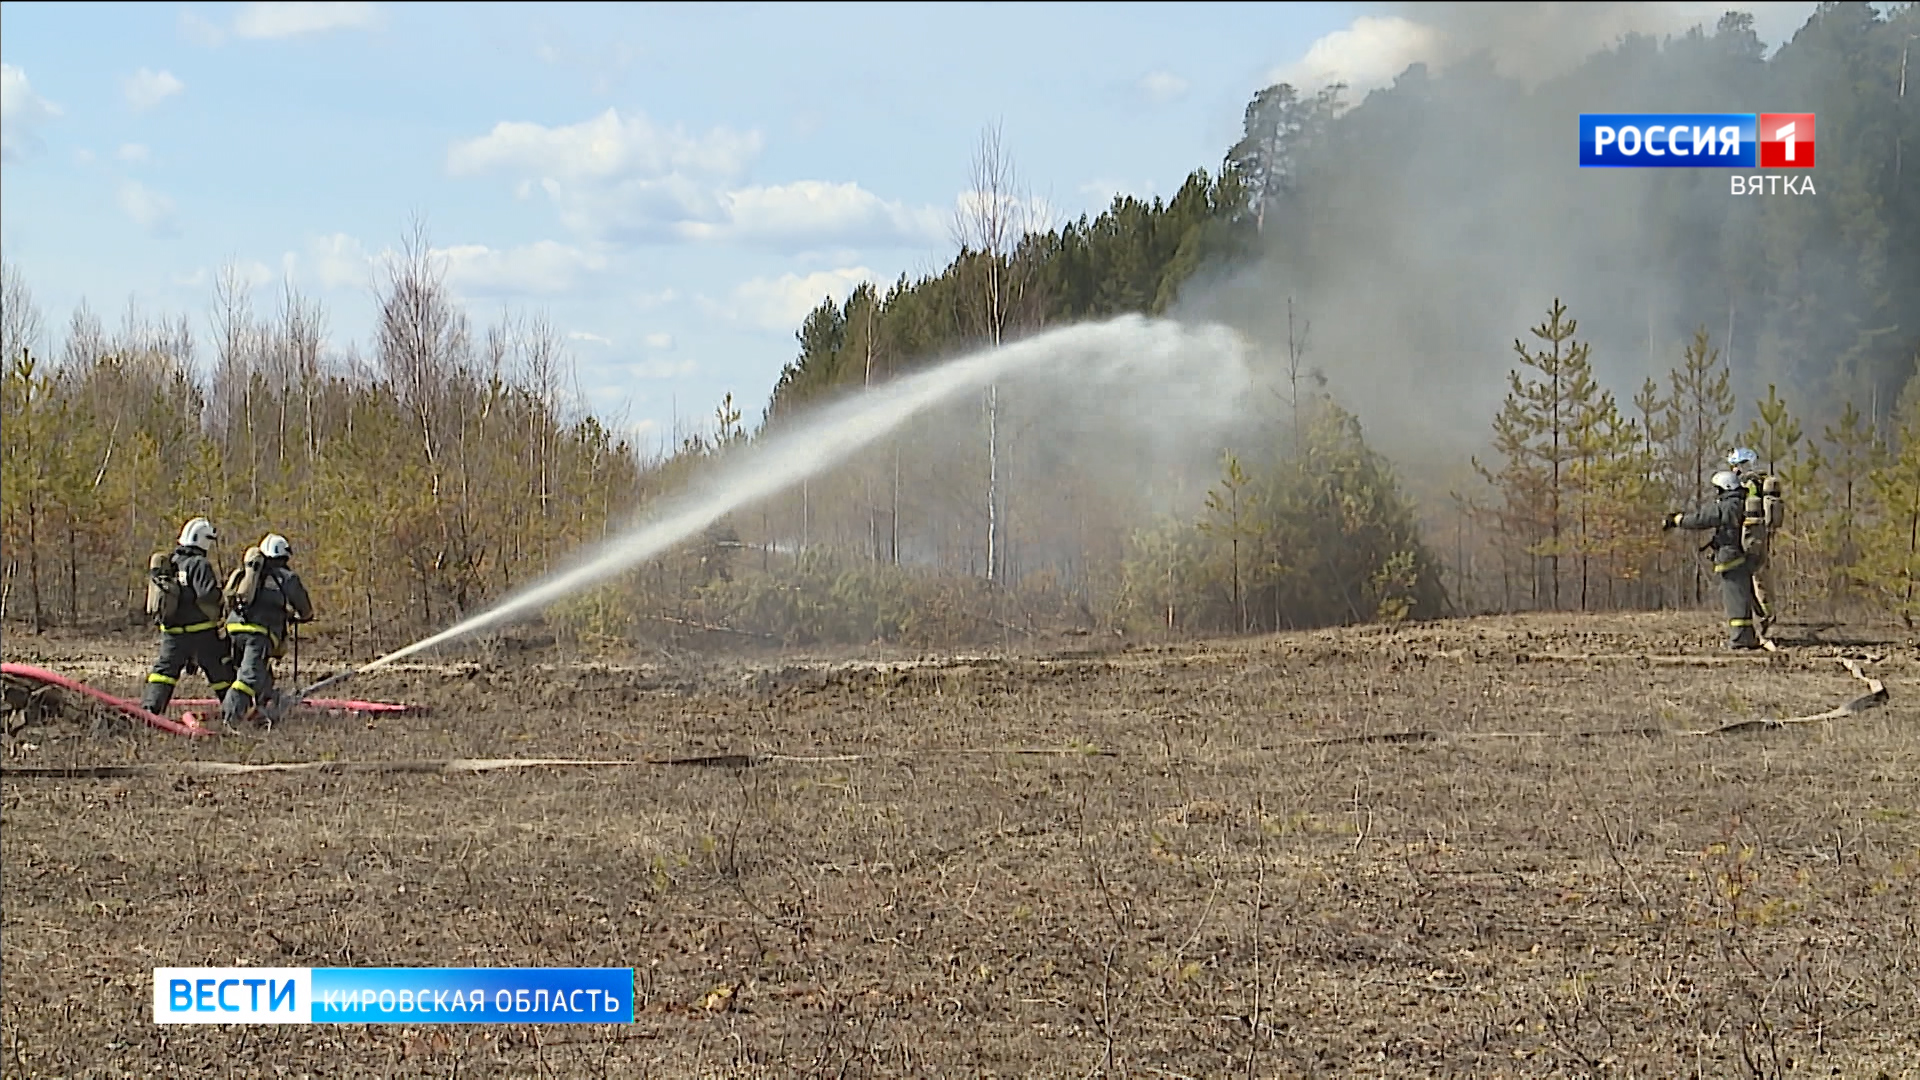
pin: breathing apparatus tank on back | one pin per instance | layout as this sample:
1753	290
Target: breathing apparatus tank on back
1765	508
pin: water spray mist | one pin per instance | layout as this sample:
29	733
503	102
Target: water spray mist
1192	365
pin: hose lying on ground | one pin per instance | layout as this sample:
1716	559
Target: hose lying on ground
1876	695
29	673
54	678
449	766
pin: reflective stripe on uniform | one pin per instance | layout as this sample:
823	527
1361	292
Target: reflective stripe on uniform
243	688
1718	568
245	628
219	687
194	629
1739	622
156	677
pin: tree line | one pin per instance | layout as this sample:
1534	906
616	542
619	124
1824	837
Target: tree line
1580	475
449	464
416	483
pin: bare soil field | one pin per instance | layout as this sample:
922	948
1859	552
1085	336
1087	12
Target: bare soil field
1485	848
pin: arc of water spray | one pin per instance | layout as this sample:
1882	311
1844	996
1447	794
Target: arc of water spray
1128	347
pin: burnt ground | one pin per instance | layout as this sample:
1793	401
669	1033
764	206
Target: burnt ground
1185	884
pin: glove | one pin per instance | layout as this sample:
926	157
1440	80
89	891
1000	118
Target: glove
1670	521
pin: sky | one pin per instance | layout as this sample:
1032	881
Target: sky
673	186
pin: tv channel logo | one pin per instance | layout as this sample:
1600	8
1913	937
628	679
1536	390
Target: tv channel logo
1697	140
241	995
1786	141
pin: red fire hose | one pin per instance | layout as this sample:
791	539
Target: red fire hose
182	727
172	727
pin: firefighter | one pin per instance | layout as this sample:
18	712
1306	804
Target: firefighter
1724	515
1760	519
183	596
265	596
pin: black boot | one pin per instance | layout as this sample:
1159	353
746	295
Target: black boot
157	697
237	706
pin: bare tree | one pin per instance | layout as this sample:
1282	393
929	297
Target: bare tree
423	338
544	355
235	343
86	339
303	327
21	325
988	226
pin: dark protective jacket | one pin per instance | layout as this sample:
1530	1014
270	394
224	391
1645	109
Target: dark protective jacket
199	603
1723	515
281	593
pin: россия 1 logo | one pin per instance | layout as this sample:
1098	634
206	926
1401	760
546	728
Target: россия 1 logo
1705	141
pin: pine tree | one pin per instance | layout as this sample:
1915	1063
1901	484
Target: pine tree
1891	561
1659	428
1535	435
1855	452
1774	434
1699	405
1231	516
1614	497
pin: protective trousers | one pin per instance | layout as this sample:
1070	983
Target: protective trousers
1736	590
1763	592
203	648
253	682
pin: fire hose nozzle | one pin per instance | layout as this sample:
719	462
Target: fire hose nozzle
328	681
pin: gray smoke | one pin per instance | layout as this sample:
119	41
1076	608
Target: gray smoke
1419	267
1532	42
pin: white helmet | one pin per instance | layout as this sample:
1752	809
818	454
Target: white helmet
1740	457
1726	481
199	533
275	546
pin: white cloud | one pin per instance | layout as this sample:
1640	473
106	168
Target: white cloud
781	304
1033	213
253	273
622	177
612	175
659	369
649	301
582	335
146	88
1526	41
1368	54
808	212
83	156
21	113
608	147
195	28
283	20
149	209
133	152
542	268
1163	86
191	281
661	342
341	262
470	270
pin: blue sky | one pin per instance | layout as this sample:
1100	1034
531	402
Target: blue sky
673	185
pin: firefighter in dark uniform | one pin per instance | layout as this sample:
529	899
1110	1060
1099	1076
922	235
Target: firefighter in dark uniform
187	604
1746	465
262	611
1724	515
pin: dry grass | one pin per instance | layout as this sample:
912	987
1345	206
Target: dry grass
1190	892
